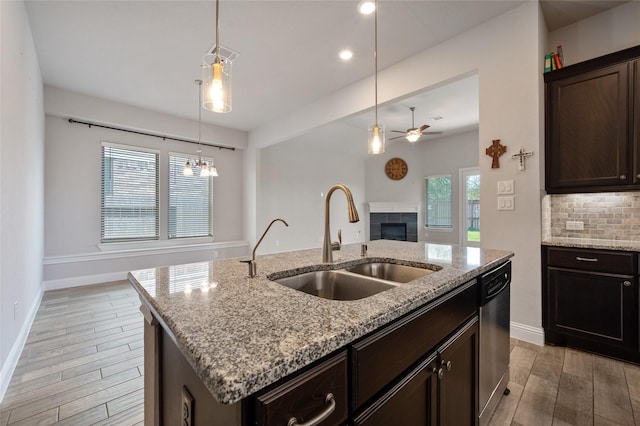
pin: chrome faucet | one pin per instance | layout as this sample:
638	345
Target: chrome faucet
327	255
252	261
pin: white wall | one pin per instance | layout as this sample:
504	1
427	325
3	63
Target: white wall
505	53
22	185
72	201
293	181
612	30
445	155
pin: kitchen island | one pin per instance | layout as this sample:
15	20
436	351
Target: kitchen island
240	335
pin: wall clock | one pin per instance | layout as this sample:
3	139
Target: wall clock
396	168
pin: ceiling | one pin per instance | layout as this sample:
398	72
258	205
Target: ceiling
147	53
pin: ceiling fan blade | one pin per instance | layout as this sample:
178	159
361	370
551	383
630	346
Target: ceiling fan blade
431	133
397	137
424	127
398	131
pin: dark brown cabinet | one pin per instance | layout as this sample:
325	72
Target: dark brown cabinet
590	143
441	390
590	300
319	394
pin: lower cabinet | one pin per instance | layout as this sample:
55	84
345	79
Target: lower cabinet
441	390
590	301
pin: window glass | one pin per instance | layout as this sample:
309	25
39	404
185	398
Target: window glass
129	207
190	201
438	202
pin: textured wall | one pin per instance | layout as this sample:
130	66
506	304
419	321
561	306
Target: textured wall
613	215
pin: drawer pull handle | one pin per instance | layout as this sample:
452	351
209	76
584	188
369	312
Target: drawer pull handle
330	401
446	364
623	177
627	283
586	259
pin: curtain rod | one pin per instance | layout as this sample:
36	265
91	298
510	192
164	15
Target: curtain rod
163	137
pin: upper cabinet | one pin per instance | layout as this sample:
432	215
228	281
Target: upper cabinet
592	140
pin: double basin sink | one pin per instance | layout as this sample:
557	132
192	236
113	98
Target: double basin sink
355	282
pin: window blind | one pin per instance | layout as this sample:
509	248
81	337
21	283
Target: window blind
129	209
190	201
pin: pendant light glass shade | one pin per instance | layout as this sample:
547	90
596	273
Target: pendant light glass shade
216	87
376	139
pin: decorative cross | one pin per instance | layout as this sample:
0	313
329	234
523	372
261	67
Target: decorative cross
521	156
495	151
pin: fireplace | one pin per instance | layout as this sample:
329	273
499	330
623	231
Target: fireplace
393	231
393	221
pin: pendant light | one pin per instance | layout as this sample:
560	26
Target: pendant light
376	132
205	169
216	75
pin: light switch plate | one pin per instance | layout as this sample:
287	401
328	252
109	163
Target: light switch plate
575	225
505	187
506	203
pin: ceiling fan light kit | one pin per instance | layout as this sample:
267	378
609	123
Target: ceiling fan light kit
414	133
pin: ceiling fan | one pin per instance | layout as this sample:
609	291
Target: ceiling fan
414	133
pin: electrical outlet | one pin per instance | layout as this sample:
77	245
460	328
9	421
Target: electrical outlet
215	254
15	310
575	225
277	243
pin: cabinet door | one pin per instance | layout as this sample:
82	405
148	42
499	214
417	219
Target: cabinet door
636	122
587	133
458	381
597	307
411	402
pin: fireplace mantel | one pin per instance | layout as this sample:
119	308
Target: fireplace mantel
392	207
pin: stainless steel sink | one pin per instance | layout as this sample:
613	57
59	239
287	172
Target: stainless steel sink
336	285
390	271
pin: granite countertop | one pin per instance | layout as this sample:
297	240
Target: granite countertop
241	334
593	243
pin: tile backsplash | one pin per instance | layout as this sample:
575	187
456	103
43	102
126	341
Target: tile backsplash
611	215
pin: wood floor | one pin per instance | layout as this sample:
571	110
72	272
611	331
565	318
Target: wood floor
82	365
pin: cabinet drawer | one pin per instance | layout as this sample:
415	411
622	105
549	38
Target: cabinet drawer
592	260
305	396
380	358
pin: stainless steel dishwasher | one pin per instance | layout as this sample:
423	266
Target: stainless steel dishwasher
493	299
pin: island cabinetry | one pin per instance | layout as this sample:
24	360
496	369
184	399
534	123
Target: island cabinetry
441	390
315	396
385	355
589	142
590	300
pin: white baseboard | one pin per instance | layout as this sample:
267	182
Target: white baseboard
84	280
527	333
11	362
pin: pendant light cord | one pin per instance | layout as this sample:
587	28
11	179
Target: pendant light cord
218	31
375	58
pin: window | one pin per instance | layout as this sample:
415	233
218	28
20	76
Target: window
438	205
470	193
129	208
190	201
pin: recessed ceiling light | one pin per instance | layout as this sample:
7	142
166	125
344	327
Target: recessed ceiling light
366	7
346	54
